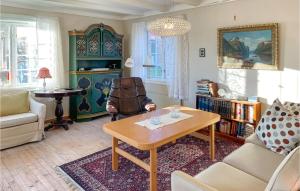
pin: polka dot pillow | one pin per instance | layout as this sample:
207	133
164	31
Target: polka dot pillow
294	107
279	129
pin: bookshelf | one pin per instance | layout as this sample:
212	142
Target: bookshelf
238	118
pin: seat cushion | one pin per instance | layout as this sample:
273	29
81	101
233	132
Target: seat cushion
255	140
255	160
14	103
227	178
18	119
287	173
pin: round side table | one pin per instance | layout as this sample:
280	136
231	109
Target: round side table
59	111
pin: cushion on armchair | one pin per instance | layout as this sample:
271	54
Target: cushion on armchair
14	103
279	128
294	107
18	119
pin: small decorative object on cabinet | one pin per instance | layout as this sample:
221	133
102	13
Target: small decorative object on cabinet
96	57
238	118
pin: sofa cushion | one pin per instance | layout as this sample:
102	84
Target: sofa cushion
227	178
14	103
279	129
287	173
18	119
255	140
254	160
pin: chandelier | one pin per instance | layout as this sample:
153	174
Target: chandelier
169	26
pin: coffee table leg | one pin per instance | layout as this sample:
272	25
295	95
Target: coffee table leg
212	142
153	169
115	156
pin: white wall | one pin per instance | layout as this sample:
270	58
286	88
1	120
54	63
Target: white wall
67	22
284	84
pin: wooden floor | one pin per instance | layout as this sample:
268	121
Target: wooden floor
31	166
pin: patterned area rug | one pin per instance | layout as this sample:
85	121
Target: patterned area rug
189	154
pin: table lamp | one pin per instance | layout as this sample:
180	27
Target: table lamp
43	74
129	63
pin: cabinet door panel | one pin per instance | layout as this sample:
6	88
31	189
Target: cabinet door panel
112	46
84	105
81	46
100	90
93	44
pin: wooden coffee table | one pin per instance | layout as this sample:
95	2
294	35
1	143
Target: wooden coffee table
144	139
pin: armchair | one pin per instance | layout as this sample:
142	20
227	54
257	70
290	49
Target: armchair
21	125
128	97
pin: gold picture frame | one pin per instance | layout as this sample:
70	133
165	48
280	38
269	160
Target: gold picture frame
249	47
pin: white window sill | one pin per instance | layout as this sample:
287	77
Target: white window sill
159	82
23	88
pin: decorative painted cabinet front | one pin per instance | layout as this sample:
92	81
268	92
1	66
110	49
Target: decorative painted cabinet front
98	47
100	91
112	47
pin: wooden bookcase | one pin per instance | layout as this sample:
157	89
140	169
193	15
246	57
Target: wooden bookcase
235	115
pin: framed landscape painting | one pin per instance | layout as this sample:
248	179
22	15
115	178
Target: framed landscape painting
249	47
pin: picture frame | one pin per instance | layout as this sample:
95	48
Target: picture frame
249	47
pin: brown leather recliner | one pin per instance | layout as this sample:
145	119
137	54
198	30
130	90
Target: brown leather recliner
127	97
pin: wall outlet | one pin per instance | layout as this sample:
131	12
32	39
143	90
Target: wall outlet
201	52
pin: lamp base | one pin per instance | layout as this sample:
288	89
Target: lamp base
44	85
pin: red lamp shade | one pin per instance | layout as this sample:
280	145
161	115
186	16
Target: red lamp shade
44	73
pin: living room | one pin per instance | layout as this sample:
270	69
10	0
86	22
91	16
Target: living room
209	115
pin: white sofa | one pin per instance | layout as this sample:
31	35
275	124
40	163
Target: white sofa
251	167
22	128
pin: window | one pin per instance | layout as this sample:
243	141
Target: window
155	64
23	50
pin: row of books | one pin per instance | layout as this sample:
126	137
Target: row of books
237	129
219	106
242	112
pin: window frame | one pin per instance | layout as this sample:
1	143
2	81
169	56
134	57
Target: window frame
31	55
160	53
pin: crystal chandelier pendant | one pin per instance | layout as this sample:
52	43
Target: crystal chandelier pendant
169	26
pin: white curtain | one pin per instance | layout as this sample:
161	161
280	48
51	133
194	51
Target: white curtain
49	50
177	66
139	48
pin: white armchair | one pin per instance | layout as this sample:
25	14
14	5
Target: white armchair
21	128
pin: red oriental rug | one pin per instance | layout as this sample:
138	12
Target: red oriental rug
189	154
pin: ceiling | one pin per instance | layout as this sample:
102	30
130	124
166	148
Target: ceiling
112	9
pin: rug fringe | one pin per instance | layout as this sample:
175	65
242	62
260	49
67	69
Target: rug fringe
68	180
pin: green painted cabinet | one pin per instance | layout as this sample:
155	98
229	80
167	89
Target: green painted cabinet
96	48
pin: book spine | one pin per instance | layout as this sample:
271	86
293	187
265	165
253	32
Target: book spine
238	111
251	113
242	112
211	105
232	110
